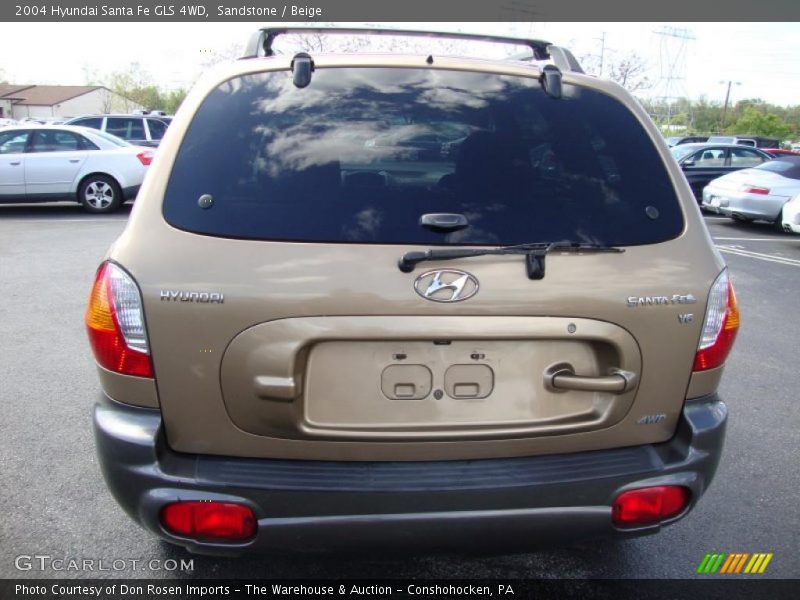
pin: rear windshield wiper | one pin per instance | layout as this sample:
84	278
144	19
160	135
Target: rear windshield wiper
534	254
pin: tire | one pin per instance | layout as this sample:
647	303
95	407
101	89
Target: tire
778	223
100	194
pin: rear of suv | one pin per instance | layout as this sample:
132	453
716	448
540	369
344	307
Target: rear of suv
308	340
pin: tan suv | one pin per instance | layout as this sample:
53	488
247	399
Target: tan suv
409	300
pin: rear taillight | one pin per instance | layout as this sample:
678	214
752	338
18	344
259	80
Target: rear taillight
209	520
145	157
754	189
719	327
646	506
115	322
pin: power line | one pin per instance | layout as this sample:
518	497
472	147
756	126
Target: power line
672	71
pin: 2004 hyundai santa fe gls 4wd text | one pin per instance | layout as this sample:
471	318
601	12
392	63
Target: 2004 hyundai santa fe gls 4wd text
502	325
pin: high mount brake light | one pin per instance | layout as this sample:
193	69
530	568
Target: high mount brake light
720	326
115	323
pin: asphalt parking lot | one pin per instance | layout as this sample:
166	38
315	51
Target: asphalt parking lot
56	504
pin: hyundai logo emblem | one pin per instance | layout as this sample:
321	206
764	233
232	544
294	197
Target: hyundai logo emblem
446	285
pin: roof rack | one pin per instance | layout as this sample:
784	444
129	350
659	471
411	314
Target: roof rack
260	43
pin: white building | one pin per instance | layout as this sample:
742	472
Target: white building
61	101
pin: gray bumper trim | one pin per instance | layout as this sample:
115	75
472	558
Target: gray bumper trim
322	505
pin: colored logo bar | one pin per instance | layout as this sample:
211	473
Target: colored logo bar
733	563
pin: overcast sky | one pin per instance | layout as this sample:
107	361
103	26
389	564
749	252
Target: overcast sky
764	58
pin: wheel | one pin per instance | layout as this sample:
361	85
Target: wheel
100	194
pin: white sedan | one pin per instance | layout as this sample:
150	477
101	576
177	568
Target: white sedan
47	163
755	194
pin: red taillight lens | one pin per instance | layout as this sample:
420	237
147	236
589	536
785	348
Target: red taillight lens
719	327
145	157
115	323
646	506
754	189
210	520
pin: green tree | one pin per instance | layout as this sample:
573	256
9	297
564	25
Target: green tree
173	99
758	122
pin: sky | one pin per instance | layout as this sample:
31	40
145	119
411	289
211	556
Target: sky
761	59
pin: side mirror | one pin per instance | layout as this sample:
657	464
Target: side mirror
688	163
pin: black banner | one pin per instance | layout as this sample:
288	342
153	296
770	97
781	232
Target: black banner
165	589
392	10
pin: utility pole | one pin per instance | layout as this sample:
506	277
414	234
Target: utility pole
602	40
672	80
725	106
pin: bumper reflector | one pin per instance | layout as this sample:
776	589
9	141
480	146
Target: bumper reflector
210	520
646	506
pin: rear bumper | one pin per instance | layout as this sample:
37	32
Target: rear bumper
752	206
493	504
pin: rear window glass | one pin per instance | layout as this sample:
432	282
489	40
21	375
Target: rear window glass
785	165
360	155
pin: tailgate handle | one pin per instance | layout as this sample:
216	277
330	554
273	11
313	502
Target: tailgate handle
563	377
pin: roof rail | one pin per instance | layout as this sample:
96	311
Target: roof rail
260	43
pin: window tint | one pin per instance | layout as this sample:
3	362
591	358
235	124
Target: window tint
54	141
93	122
13	142
682	150
709	157
112	138
741	157
360	154
87	144
157	129
125	128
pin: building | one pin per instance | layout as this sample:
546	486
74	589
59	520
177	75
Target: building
60	101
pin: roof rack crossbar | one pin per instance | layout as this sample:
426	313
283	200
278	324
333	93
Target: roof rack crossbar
564	59
260	43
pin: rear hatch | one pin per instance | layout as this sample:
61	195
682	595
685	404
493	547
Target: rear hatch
281	326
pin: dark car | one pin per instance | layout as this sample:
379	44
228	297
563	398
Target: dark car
139	130
686	139
702	163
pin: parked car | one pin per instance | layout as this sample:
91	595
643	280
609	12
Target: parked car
686	139
776	152
46	163
745	140
791	215
297	357
7	122
756	194
139	130
702	163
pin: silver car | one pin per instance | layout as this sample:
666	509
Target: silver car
756	194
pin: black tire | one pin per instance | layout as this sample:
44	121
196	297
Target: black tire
779	221
100	194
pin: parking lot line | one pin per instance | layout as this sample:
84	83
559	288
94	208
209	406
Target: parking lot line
759	256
